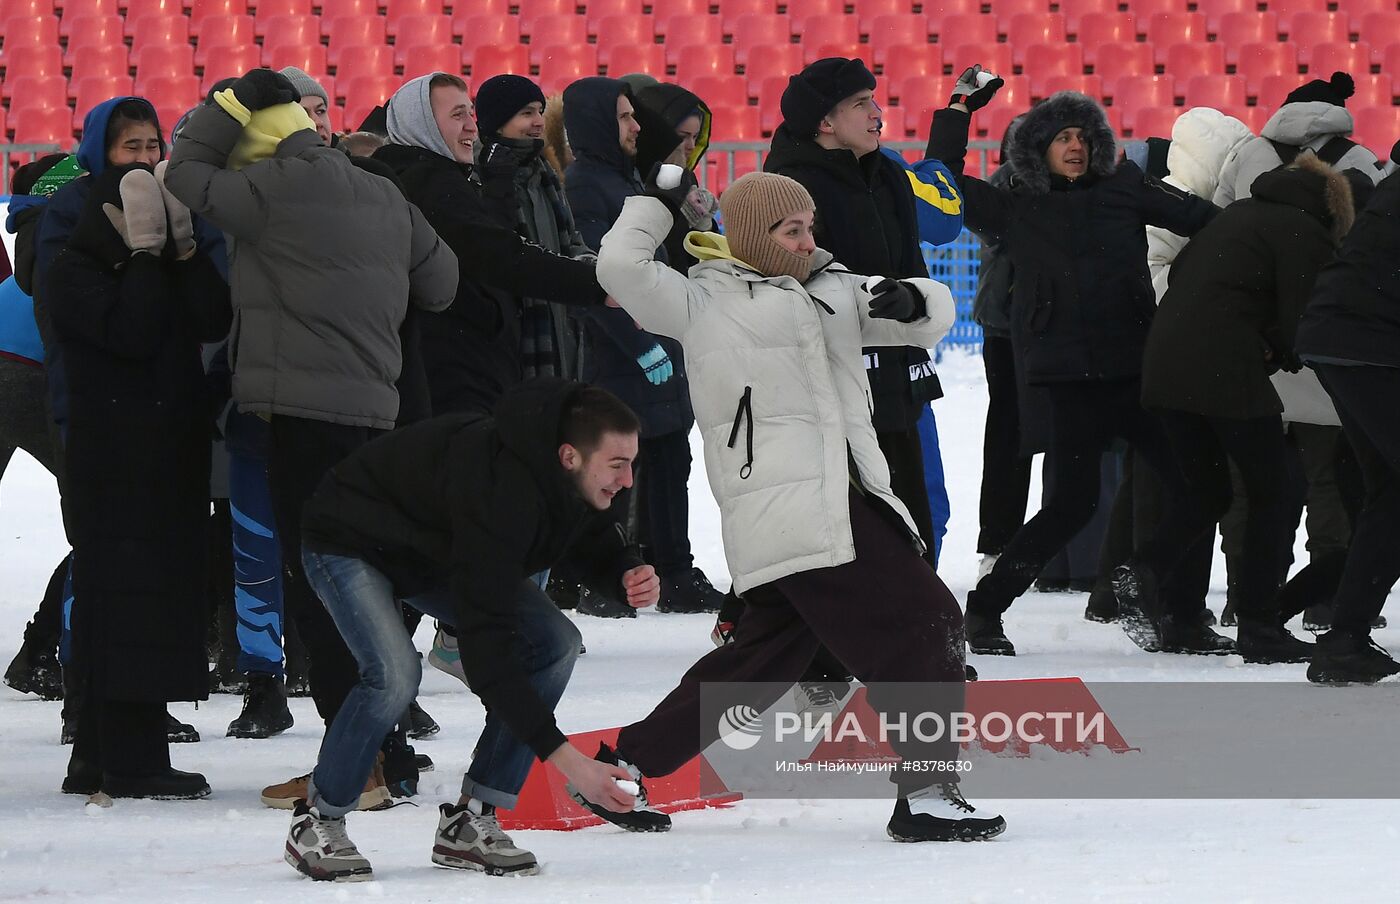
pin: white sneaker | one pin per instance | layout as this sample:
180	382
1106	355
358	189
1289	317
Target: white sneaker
941	813
445	657
317	846
468	839
984	567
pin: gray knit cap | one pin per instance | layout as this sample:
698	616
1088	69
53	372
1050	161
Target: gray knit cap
306	85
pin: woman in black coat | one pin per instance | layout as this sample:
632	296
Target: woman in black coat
1225	324
1350	336
1072	218
131	300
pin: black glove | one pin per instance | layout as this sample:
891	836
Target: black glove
1279	356
673	198
501	158
893	299
967	93
259	89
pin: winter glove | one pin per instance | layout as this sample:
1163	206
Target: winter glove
892	299
259	89
700	206
140	221
180	222
674	198
500	160
656	364
972	92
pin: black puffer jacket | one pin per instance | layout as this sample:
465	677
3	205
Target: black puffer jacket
660	110
1082	302
1237	291
480	503
471	351
1354	313
866	217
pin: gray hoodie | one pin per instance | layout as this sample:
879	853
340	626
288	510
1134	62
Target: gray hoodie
1308	124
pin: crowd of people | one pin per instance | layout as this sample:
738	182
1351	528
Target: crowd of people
448	365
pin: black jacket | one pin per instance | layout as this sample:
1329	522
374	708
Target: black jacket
1354	313
137	447
660	109
1237	292
599	180
471	351
991	306
866	217
1082	302
481	503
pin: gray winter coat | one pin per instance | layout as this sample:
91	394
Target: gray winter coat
324	260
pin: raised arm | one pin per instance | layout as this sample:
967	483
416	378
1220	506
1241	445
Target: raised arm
657	297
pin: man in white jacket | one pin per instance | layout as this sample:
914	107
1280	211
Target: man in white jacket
816	541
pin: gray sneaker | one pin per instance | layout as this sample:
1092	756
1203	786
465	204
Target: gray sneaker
317	846
469	840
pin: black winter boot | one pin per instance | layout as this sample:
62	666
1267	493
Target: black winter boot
400	766
1102	607
1191	635
177	732
1264	639
420	724
689	591
265	710
590	602
1139	607
165	784
35	670
564	593
985	634
1343	657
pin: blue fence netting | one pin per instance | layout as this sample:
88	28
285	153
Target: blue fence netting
956	266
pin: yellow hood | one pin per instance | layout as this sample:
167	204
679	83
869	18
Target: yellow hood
710	246
263	130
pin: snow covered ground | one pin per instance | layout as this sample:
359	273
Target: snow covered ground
228	848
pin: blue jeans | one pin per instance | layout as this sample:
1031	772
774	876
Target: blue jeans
361	601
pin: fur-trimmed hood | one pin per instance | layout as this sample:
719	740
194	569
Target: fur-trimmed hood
1314	187
1044	121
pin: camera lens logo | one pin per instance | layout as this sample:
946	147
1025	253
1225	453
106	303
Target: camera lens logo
740	727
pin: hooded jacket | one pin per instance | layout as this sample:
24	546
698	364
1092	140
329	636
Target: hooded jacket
1082	300
661	108
1202	140
325	260
479	503
867	218
1305	124
1353	316
597	183
780	391
1237	293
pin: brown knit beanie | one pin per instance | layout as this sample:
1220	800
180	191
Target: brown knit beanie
751	206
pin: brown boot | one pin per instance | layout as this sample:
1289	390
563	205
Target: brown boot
374	797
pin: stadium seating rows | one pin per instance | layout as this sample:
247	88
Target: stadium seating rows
1146	59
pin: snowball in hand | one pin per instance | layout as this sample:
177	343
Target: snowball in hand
669	176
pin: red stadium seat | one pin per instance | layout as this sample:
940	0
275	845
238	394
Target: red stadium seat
648	58
770	95
1219	91
665	9
1134	92
962	28
1272	90
1074	12
136	10
1106	28
1167	29
1326	58
157	32
554	32
1016	94
169	59
761	31
773	62
1214	9
296	31
1357	10
223	31
1239	29
36	92
89	91
1380	30
894	124
424	59
910	60
227	61
398	10
861	52
369	59
1027	29
203	9
1254	117
687	30
534	10
1258	61
1373	91
621	33
422	30
992	57
170	92
309	58
1144	10
805	9
1045	60
1151	122
565	64
29	60
269	8
721	90
77	9
1287	9
1120	58
1091	85
1378	128
695	61
731	11
34	31
867	11
97	62
898	31
1391	62
488	61
598	10
1005	9
736	124
1309	28
23	9
350	9
95	31
486	31
1186	60
365	92
53	126
840	31
918	91
345	33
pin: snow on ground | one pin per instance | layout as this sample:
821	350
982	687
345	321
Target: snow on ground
228	848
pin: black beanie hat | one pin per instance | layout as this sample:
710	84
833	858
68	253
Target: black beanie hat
1334	91
501	97
813	92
